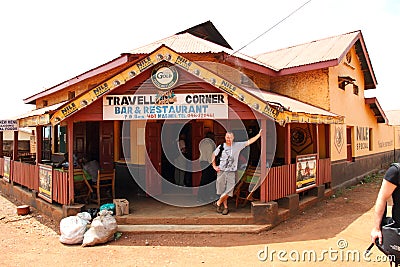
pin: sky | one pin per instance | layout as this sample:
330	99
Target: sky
46	42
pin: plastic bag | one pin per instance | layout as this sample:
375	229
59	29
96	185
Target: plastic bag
109	207
93	212
73	228
102	229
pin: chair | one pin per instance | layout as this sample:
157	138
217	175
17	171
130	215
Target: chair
244	191
104	186
82	188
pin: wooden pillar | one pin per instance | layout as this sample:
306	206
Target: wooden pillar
328	140
15	146
288	145
39	143
70	144
117	135
263	189
1	145
316	142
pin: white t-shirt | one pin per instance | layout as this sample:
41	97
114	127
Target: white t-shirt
230	156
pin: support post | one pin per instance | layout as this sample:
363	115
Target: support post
70	143
316	142
1	145
15	146
39	141
263	191
288	145
328	140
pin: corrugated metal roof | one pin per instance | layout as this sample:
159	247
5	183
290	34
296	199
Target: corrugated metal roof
188	43
289	103
41	111
207	31
327	49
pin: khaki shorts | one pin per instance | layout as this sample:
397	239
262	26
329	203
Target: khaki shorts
225	183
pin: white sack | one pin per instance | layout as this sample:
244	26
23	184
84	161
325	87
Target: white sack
102	229
73	228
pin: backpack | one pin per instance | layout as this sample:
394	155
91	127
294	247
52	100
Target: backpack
218	156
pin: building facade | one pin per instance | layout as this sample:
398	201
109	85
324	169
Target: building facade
319	131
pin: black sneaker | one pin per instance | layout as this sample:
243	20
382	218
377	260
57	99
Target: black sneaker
219	208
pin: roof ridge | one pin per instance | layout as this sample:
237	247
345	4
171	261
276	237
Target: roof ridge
305	43
151	43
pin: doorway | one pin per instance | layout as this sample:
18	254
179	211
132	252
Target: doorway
175	136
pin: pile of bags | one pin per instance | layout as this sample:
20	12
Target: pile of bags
79	230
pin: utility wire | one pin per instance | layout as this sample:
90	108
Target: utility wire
276	24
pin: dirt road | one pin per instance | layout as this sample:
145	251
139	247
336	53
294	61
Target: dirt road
332	233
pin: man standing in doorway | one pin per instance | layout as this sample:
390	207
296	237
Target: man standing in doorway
208	174
226	171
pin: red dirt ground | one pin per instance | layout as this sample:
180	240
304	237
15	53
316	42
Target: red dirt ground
33	239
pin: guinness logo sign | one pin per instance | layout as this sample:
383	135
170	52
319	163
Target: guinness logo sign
164	76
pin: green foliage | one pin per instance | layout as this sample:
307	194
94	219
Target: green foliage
371	178
338	193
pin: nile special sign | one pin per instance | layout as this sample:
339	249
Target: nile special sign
164	76
165	106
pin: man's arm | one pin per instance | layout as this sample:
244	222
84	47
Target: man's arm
254	138
384	194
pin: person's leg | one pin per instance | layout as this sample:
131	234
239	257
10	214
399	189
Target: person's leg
226	203
221	187
230	184
223	200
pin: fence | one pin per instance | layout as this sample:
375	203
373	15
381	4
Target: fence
280	181
27	175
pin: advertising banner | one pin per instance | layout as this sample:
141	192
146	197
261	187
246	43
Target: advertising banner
165	106
45	182
7	169
306	171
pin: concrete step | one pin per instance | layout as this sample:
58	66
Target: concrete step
217	219
193	228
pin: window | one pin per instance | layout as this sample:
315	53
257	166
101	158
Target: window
60	139
370	139
349	131
46	145
45	103
345	80
348	57
125	140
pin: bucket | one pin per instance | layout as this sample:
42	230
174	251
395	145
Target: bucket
23	210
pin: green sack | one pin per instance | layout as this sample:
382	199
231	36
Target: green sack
108	206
